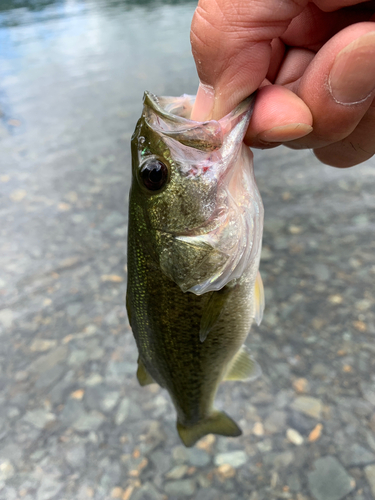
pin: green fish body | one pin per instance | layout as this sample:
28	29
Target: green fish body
194	242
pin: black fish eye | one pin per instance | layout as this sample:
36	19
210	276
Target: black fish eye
154	174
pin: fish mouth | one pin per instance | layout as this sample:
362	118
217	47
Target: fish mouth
170	116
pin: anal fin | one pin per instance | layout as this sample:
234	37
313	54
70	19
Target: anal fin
144	378
217	423
243	367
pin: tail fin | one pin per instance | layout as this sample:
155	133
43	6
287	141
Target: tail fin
217	423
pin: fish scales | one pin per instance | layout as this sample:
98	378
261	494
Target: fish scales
193	283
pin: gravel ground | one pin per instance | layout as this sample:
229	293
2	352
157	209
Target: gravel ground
74	424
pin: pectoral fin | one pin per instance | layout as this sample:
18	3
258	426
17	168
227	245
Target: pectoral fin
144	378
217	423
259	299
212	311
243	367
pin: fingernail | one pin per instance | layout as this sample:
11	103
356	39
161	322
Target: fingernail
285	133
352	77
204	103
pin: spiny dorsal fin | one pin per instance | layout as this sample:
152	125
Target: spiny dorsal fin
259	299
243	367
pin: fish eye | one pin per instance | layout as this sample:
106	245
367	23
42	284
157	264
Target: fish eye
154	174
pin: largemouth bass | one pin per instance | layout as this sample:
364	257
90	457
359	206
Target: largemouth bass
194	242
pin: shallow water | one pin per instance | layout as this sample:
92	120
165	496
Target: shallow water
74	422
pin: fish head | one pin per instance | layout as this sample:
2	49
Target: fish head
193	183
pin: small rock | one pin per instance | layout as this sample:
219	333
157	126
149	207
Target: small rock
49	488
265	446
301	385
13	412
155	435
335	299
275	422
113	220
315	433
89	422
295	229
258	429
370	476
146	492
207	443
21	376
368	391
179	454
357	455
71	412
197	457
266	254
6	318
225	471
94	379
329	480
47	361
78	394
207	493
322	272
294	437
78	357
234	458
6	470
117	492
183	488
41	345
319	370
293	481
177	472
73	309
123	411
308	405
372	423
49	377
39	418
76	455
161	461
110	400
279	460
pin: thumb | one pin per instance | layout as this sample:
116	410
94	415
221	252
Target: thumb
231	45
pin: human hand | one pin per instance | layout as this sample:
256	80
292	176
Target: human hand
314	65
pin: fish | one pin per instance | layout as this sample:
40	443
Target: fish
194	242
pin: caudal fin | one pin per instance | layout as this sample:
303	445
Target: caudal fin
217	423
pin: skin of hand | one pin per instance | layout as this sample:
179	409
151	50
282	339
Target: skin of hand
314	66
